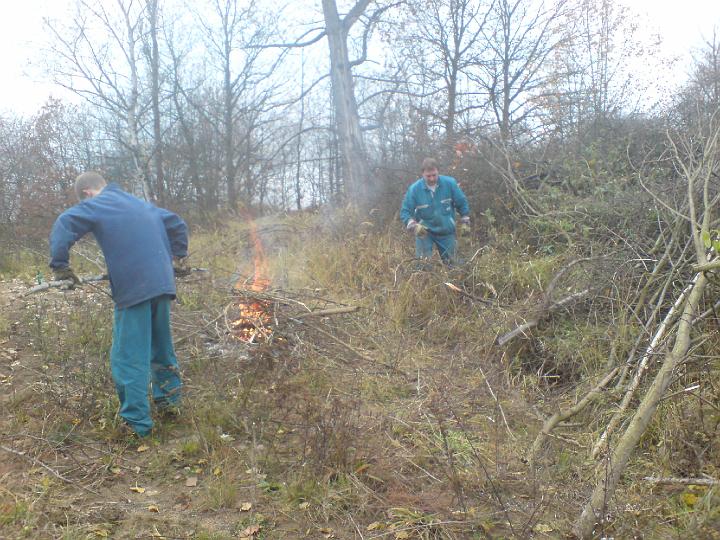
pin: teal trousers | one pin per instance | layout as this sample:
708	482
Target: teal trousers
142	355
445	243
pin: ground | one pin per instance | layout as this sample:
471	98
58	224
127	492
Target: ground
400	419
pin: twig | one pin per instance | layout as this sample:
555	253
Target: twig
352	349
497	402
326	312
52	471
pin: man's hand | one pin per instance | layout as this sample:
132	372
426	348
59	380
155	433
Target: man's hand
179	267
66	274
464	229
181	271
421	230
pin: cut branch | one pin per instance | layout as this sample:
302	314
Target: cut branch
561	415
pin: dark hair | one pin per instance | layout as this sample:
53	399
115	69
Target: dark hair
429	164
88	180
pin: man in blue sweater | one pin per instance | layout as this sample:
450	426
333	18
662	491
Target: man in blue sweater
139	242
428	210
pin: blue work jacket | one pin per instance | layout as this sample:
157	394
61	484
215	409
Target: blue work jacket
436	211
137	239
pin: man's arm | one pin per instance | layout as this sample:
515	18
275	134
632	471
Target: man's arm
72	225
460	201
177	232
407	210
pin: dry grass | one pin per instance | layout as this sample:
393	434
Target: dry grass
402	420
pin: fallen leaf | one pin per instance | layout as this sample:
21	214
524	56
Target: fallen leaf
453	287
245	506
137	489
250	531
153	508
143	448
191	481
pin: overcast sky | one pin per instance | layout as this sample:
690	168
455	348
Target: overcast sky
24	88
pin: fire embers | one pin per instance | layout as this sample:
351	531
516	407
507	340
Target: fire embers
252	321
251	316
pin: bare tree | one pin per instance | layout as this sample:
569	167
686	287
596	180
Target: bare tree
592	75
520	38
154	57
235	37
97	57
446	44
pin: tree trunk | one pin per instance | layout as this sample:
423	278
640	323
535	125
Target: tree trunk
358	182
152	6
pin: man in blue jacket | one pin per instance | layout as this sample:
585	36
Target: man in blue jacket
139	242
428	210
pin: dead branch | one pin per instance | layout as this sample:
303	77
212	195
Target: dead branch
520	330
561	415
68	283
609	474
52	471
683	481
327	312
458	290
64	283
352	349
642	367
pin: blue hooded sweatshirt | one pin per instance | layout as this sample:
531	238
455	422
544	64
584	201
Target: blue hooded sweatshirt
137	239
436	211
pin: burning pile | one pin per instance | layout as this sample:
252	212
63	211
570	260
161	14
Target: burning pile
252	322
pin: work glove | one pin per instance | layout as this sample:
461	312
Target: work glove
180	269
66	274
416	228
464	226
421	230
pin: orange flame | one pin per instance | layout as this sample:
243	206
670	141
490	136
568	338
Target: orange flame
254	318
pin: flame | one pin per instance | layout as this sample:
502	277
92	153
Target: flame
253	321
